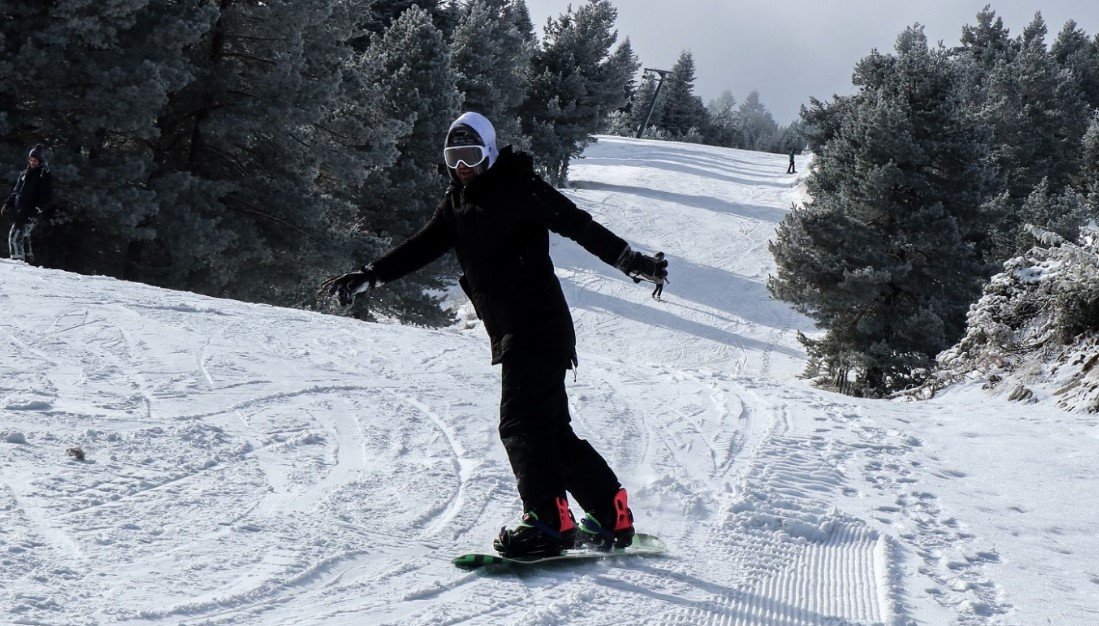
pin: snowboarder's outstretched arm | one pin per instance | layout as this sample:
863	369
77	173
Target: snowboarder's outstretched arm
563	217
431	242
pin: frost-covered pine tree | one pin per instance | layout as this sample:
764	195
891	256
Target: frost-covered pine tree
722	129
1038	116
88	85
1079	55
1062	214
618	80
757	125
410	64
984	46
381	14
986	43
880	257
682	109
642	102
574	85
491	57
244	147
411	61
823	120
201	146
620	120
1087	181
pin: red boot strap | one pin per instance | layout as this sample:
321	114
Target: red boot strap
621	511
564	515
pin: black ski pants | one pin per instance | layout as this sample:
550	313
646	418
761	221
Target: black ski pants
546	456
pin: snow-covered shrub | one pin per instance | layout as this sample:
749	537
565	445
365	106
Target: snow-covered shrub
653	132
619	123
693	135
1037	323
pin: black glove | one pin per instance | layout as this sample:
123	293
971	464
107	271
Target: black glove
5	207
347	286
642	267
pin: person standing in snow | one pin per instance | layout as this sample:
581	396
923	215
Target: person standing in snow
790	170
27	203
497	215
659	280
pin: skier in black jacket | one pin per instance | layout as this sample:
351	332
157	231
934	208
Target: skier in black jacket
497	215
26	204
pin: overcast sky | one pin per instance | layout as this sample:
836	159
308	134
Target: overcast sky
791	50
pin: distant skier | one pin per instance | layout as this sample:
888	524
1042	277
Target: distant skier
790	170
659	280
26	204
497	215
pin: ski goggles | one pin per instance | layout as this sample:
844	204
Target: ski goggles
469	156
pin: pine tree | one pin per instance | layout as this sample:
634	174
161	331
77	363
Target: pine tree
1079	55
574	85
1038	116
517	13
209	147
1034	34
625	62
410	63
822	121
87	85
1088	179
788	138
683	110
988	42
983	47
491	57
757	126
241	148
1062	213
381	14
642	102
880	258
722	127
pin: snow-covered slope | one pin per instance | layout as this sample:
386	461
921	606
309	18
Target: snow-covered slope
251	465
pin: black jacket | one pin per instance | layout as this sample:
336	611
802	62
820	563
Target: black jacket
32	191
499	227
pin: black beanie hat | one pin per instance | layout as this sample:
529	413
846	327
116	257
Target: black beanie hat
462	135
37	152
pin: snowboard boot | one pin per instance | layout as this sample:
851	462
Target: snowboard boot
546	530
608	527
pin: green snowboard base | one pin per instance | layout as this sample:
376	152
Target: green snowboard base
643	545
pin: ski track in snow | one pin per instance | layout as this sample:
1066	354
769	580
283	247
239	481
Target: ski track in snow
250	465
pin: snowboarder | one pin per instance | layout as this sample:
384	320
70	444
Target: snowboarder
27	203
790	170
497	215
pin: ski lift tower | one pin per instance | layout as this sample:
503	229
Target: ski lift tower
652	105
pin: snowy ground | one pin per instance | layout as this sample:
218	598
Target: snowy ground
250	465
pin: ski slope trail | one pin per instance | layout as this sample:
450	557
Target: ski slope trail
250	465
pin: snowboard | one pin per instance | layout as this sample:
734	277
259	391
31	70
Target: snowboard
643	545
